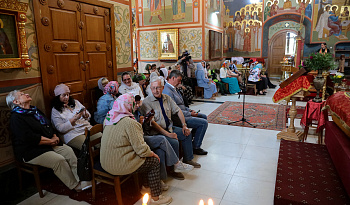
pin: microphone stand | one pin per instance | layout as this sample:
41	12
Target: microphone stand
244	91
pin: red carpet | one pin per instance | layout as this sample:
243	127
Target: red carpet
264	116
306	175
105	194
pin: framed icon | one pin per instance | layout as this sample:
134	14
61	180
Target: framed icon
168	44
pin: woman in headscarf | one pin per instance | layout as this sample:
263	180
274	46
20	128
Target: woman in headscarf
101	83
128	86
105	103
124	151
141	80
164	73
230	78
70	117
209	88
255	78
35	141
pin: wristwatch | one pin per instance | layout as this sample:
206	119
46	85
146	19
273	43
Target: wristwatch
184	124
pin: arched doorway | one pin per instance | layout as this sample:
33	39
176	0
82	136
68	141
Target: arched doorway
281	45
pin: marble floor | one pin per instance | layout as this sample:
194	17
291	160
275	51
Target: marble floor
239	169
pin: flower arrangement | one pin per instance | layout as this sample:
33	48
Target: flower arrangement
319	61
337	78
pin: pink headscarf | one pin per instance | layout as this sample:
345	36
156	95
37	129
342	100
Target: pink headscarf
123	107
111	88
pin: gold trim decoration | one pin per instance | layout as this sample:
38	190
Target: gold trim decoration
168	44
19	10
13	5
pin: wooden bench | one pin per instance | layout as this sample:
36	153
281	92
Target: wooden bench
199	92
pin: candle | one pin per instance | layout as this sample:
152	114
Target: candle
201	202
210	202
145	199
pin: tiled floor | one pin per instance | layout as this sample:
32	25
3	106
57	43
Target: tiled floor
239	169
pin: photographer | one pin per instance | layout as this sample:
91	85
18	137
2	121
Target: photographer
184	61
236	72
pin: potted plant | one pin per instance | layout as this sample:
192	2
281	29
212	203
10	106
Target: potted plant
319	62
337	78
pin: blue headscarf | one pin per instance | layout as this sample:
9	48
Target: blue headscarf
31	111
259	66
199	66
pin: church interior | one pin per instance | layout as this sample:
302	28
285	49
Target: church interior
182	101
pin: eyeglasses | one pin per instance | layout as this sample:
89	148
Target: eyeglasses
156	88
127	79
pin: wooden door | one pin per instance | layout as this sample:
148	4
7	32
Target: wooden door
97	41
74	46
276	53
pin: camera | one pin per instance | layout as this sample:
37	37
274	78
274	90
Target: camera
187	56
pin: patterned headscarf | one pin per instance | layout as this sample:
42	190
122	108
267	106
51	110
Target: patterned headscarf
99	83
123	107
31	111
111	88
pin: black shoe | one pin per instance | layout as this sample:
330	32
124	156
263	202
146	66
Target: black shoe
224	94
177	175
272	86
200	151
262	93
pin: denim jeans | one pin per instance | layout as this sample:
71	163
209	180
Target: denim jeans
186	143
161	146
199	126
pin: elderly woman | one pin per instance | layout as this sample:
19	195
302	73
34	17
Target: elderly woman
209	87
128	86
35	141
105	103
70	117
255	78
102	82
228	77
141	80
124	151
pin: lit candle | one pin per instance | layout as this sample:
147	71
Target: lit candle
210	202
201	202
145	199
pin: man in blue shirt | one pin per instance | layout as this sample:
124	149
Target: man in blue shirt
197	121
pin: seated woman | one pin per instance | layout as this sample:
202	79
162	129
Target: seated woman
141	80
124	151
227	76
209	87
127	86
105	103
70	117
35	141
255	78
185	90
101	83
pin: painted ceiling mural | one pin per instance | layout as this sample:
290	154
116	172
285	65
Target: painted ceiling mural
320	21
167	11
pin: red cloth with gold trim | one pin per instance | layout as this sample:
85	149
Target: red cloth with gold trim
301	83
339	103
313	112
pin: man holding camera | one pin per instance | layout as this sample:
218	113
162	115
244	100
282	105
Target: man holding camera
233	68
184	61
195	120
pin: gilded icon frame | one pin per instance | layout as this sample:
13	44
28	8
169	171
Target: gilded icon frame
14	50
168	44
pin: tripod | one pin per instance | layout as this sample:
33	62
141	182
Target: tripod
244	91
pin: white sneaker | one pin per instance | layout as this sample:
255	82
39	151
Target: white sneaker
165	187
145	190
163	200
182	167
85	185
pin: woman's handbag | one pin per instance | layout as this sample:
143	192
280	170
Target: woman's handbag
84	164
